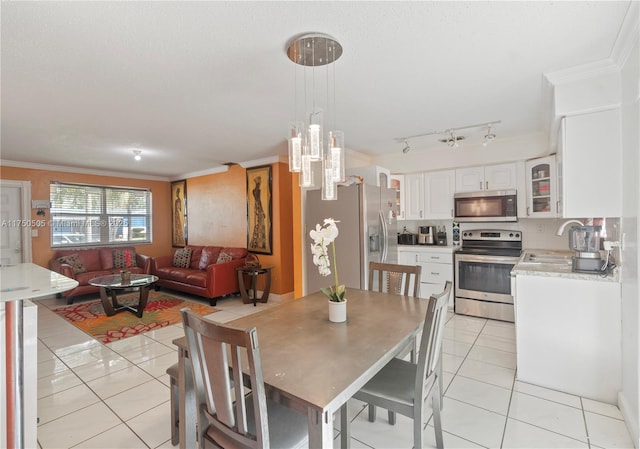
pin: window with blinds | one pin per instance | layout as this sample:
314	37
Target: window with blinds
89	215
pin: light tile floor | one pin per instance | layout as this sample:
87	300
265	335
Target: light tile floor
116	396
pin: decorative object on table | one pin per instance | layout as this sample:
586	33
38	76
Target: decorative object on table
323	236
259	232
252	261
162	310
125	276
179	213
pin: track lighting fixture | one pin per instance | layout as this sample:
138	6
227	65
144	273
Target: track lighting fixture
489	137
137	154
451	138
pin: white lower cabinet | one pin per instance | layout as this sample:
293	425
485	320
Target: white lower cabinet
436	264
568	335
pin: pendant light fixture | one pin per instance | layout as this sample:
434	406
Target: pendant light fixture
306	139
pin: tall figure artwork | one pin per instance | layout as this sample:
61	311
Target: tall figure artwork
179	213
259	231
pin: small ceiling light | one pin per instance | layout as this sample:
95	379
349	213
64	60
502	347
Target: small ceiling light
489	137
452	141
137	155
406	148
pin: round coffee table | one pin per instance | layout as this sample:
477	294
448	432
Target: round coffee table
111	285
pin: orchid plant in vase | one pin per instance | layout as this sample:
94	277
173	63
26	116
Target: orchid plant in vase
322	236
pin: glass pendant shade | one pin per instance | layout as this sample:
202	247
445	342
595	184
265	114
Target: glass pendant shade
336	155
306	172
295	146
329	188
314	135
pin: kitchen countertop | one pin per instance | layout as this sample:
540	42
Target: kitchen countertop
435	248
557	269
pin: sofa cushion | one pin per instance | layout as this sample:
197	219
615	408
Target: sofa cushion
235	252
124	258
224	257
182	258
74	260
196	253
209	256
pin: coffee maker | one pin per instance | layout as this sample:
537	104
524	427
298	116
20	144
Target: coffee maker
585	242
427	235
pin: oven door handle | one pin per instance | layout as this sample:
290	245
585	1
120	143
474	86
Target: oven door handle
488	259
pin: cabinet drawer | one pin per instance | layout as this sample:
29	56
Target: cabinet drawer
436	273
435	257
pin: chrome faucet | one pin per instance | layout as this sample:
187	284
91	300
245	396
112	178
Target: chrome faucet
564	225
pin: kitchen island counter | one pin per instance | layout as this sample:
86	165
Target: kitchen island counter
557	264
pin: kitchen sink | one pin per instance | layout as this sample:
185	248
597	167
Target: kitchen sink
547	258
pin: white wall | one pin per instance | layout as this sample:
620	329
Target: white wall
629	398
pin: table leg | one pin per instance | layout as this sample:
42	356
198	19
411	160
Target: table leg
267	287
254	287
243	290
345	430
320	429
14	373
106	303
144	296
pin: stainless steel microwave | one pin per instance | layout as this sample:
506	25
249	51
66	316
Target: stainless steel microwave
496	205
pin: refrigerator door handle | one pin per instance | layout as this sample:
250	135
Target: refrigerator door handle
385	235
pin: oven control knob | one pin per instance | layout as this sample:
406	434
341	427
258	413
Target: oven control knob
518	235
470	234
511	235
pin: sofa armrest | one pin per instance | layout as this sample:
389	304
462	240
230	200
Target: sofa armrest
144	262
222	278
62	268
160	262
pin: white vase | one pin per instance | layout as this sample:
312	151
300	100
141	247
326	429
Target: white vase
338	311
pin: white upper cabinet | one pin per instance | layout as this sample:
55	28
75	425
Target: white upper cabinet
490	177
414	196
397	183
589	165
541	187
438	193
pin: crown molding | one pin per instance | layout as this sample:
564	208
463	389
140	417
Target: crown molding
85	171
264	161
582	72
628	35
195	174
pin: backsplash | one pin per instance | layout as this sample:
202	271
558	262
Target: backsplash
537	233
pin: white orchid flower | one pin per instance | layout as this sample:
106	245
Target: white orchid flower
322	236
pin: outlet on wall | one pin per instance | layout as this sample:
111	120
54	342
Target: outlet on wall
540	228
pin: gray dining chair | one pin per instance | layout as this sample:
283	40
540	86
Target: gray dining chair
403	387
394	278
221	357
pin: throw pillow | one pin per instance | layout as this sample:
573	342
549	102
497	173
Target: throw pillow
182	258
74	260
124	258
224	257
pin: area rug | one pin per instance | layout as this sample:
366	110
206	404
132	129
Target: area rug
161	310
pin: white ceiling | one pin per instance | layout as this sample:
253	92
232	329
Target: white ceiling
197	84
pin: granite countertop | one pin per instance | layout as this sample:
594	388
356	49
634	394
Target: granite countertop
561	267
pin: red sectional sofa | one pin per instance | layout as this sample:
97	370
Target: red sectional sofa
96	262
211	271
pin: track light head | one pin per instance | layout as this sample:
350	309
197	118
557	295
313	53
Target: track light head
406	148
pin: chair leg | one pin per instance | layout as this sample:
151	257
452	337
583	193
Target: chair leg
436	404
175	404
392	418
372	412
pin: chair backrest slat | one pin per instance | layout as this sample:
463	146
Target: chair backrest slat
395	278
431	341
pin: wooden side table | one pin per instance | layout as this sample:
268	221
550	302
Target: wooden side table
253	273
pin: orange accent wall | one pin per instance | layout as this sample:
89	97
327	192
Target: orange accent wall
40	180
217	215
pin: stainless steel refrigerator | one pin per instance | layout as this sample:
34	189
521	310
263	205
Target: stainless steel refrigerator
367	232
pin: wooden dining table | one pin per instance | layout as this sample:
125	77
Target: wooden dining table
313	365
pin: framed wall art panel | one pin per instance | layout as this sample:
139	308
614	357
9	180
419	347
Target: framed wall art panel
259	230
179	213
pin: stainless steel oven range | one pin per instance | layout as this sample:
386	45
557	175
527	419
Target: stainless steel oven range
483	273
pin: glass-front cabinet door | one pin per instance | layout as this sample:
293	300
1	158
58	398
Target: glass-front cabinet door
396	182
541	187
